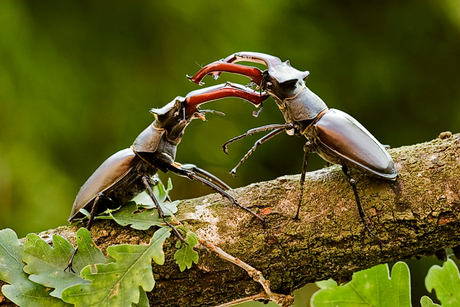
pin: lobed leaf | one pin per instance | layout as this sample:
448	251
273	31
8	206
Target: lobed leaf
425	301
130	214
88	252
185	256
141	212
46	264
161	194
143	299
117	283
20	290
10	256
371	287
445	281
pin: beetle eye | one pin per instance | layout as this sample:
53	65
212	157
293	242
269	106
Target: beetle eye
268	85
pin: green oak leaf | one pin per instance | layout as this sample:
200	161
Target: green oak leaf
371	287
46	264
141	212
117	283
142	219
425	301
161	194
143	299
185	256
20	290
10	256
445	281
88	253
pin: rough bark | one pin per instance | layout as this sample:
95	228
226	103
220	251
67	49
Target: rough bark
417	215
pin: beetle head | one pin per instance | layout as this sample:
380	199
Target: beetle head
172	118
283	81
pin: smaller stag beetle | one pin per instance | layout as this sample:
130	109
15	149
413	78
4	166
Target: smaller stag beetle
336	136
129	171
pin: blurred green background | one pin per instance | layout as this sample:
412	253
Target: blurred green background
77	80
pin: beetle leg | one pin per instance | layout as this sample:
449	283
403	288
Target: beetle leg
256	145
146	183
155	180
212	178
88	227
257	130
192	176
352	182
307	150
93	211
69	265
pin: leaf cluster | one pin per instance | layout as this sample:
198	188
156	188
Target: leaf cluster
35	271
375	287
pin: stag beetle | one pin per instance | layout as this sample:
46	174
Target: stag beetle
129	171
336	136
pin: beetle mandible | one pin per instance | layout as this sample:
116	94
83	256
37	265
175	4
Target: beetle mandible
336	136
129	171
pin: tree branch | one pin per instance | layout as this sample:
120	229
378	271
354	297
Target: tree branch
415	216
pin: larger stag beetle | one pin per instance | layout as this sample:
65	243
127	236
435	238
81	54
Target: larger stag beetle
129	171
336	136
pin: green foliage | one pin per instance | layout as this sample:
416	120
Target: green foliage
141	212
88	252
45	263
446	281
21	290
141	219
35	270
117	283
371	287
120	282
143	299
10	256
425	301
185	256
374	287
161	194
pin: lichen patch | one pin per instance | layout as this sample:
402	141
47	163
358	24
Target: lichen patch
204	212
